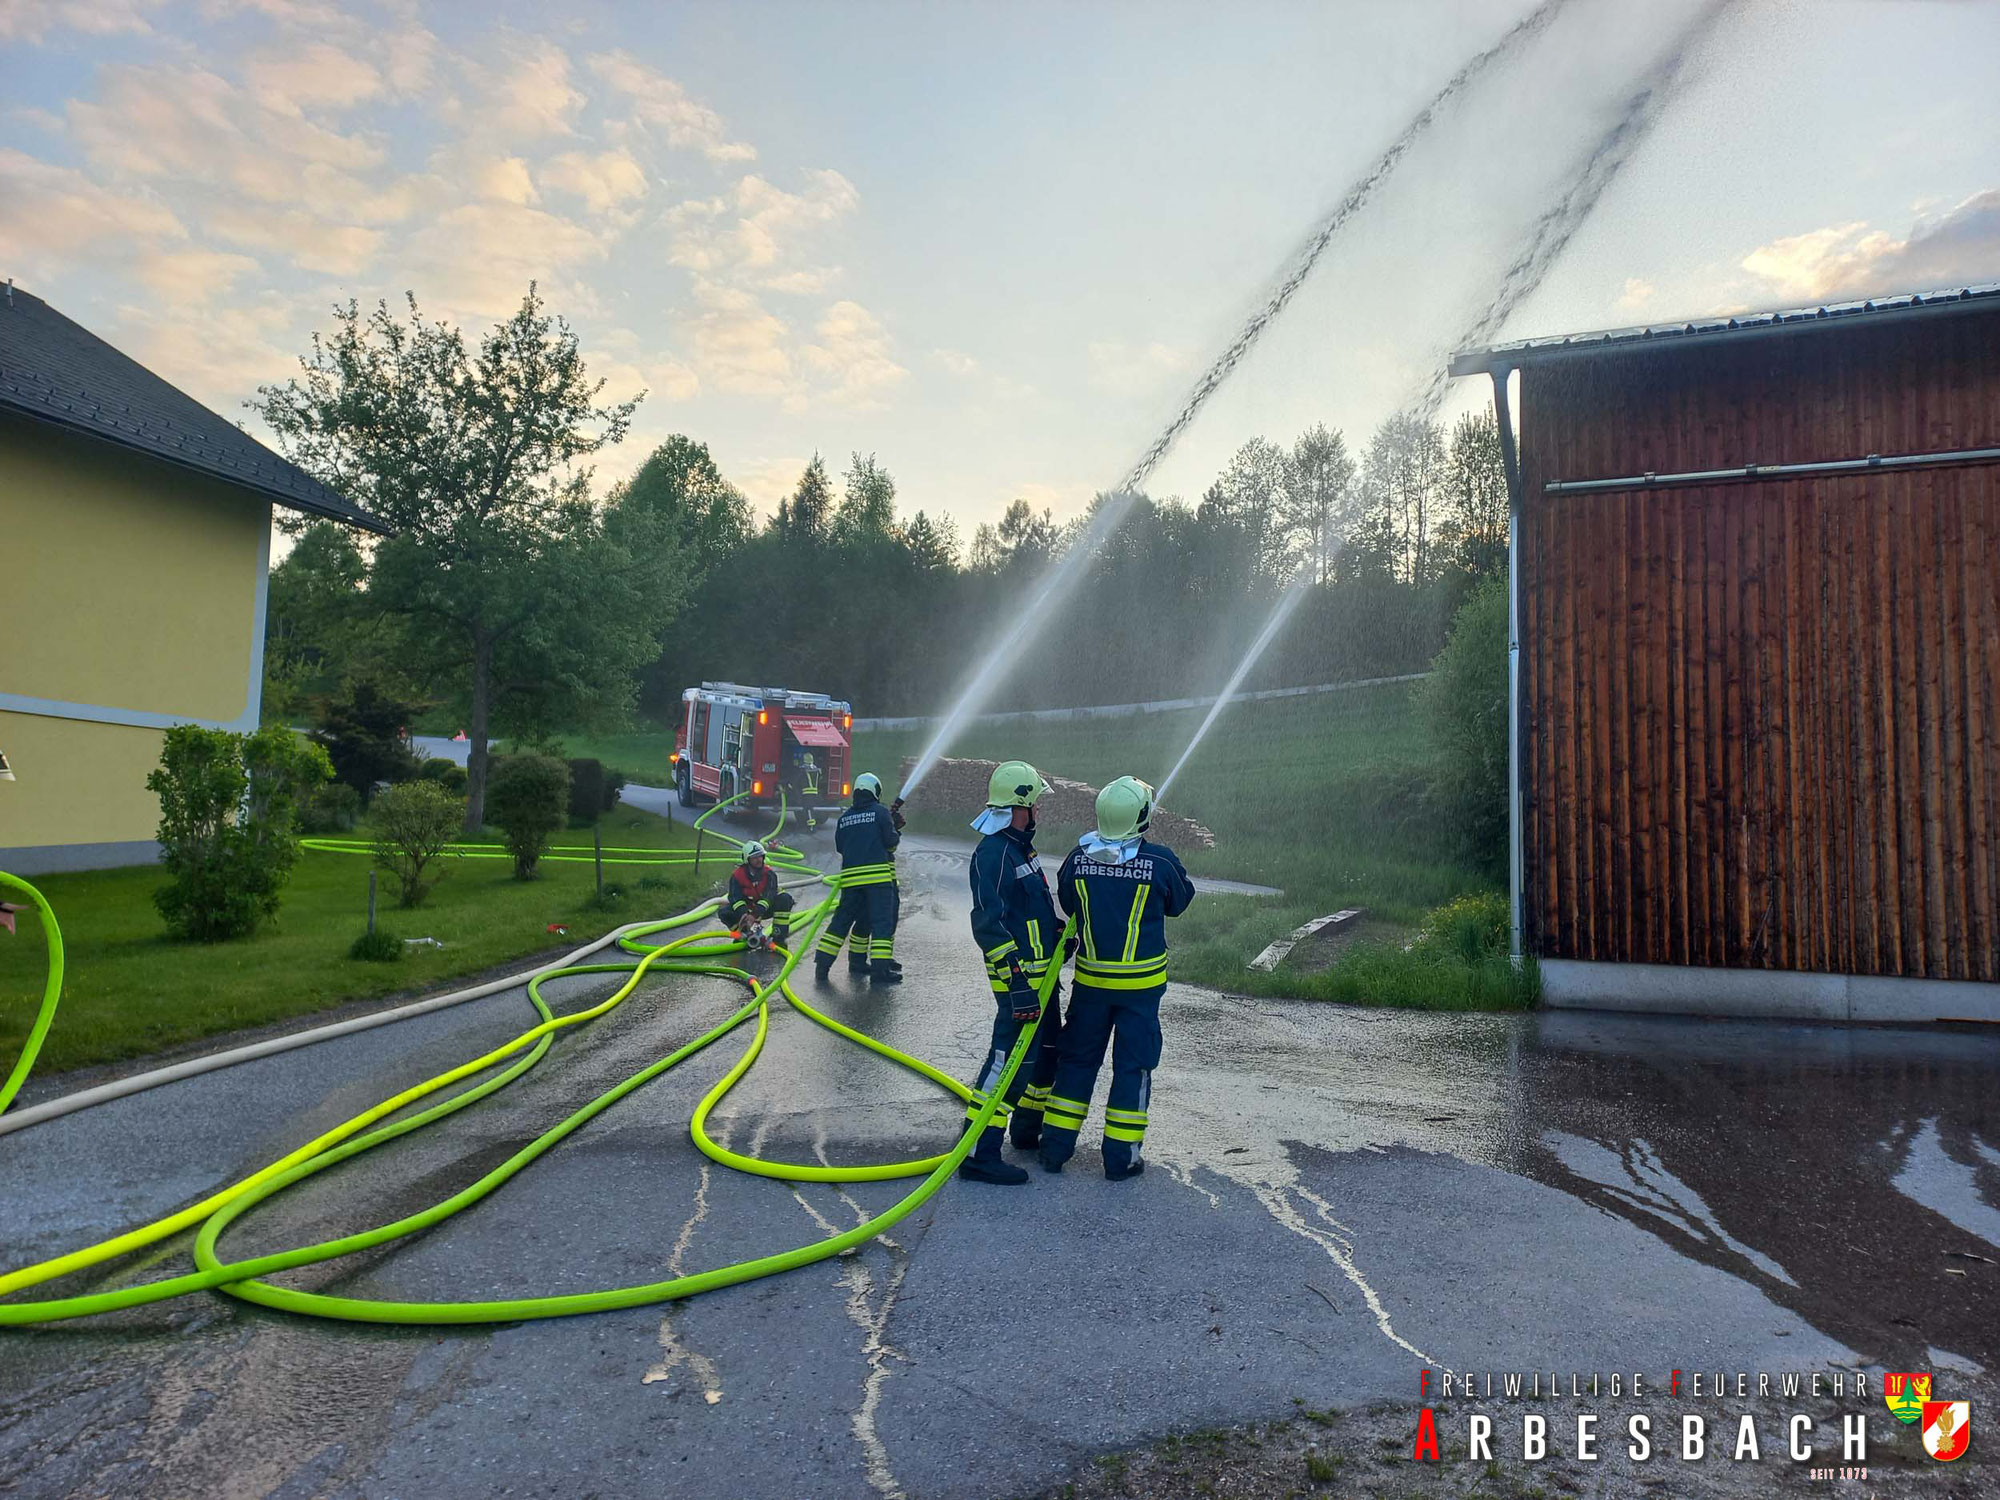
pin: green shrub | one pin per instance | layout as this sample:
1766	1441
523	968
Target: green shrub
1471	929
334	807
1464	709
361	728
586	791
413	824
229	812
378	947
448	774
527	799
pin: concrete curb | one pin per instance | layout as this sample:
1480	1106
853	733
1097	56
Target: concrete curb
1764	994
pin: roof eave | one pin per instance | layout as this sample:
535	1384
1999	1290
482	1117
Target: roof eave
353	516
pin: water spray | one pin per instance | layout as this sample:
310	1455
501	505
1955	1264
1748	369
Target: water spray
1280	612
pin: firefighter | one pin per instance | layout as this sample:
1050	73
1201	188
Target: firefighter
1121	888
1016	927
754	896
866	836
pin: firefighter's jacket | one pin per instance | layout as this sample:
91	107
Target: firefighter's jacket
1121	912
1012	915
744	889
866	837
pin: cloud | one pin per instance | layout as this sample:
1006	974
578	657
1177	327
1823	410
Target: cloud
218	354
1854	260
766	481
309	242
1119	366
659	103
757	225
527	97
739	345
956	362
603	180
32	20
626	367
56	213
316	76
1638	293
478	258
852	357
192	278
504	179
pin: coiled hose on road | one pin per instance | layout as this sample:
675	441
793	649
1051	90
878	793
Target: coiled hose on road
698	952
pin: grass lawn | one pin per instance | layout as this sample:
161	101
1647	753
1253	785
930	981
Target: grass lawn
640	754
1319	796
131	990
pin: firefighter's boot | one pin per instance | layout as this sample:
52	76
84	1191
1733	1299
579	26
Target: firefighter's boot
985	1165
822	968
1024	1129
886	971
780	933
857	963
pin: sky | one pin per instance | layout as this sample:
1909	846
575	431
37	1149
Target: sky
992	244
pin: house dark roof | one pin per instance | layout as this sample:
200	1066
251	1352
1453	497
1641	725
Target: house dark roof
1983	297
57	371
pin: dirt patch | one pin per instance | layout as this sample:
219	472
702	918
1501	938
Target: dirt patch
956	785
1323	948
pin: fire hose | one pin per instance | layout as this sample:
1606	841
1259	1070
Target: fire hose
697	952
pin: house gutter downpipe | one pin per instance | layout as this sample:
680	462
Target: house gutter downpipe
1510	460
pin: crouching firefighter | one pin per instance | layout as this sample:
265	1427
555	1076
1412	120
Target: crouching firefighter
754	896
866	836
1121	888
1016	926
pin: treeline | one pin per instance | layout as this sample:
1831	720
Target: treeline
521	605
836	593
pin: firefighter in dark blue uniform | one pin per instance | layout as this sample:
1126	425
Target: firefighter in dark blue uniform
866	836
1121	888
1017	929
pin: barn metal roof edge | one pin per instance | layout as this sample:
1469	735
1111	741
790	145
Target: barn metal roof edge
1707	330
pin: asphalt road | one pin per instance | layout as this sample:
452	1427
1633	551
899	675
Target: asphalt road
1336	1196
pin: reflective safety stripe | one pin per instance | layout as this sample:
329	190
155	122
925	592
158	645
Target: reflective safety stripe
1141	982
882	948
829	942
865	875
1133	1133
1000	1112
1026	1103
1083	927
1035	940
1060	1120
1132	922
994	955
1125	1116
1068	1106
1141	974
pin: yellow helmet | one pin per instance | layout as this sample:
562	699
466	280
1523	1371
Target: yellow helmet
1124	809
1015	783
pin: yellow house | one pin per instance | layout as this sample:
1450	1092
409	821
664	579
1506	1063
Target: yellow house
135	529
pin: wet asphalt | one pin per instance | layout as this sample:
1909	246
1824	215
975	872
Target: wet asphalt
1335	1197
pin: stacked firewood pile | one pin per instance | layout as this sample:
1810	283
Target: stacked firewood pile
959	786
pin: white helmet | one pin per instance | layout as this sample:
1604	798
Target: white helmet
753	850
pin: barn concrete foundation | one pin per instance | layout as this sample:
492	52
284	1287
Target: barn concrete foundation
1766	994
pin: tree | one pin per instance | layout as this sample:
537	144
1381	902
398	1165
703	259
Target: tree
1464	708
868	508
530	802
1400	480
498	562
1475	486
1319	496
1251	496
414	824
229	825
809	512
933	545
361	729
679	482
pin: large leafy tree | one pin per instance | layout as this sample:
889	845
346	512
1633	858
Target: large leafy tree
1319	495
524	603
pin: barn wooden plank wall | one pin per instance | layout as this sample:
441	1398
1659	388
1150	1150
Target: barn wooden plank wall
1763	719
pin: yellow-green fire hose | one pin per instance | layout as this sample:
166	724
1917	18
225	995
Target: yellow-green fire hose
686	954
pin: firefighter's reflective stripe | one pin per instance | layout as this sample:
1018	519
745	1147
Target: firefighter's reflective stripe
866	875
1132	922
994	955
1035	1096
1065	1114
1085	927
1001	976
983	1086
829	941
882	947
1107	974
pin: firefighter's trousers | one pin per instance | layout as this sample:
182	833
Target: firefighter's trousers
1128	1021
1020	1108
870	911
780	906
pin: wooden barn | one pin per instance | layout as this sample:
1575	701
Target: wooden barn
1756	685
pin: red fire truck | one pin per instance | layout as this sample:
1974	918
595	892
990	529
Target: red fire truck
735	739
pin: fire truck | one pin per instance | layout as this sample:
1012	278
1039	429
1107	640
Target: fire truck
734	739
